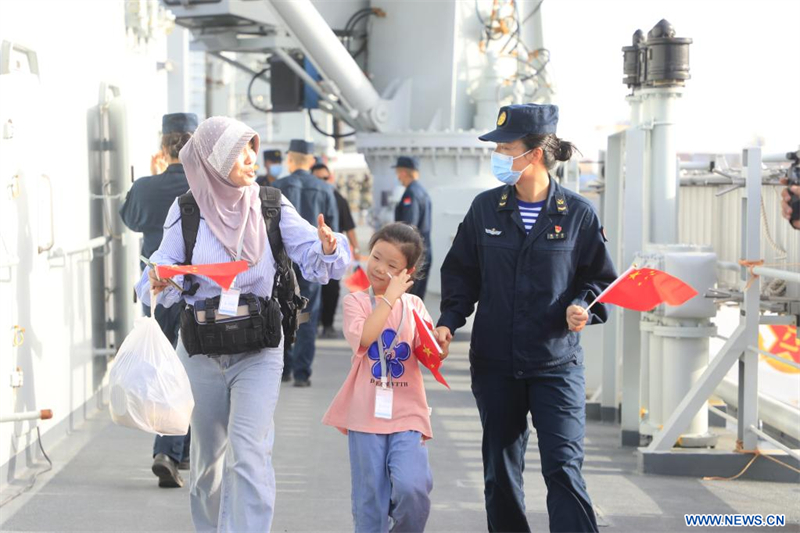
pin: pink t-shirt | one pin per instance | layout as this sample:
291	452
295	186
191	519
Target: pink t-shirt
353	408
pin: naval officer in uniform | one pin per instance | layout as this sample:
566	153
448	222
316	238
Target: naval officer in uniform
145	210
533	256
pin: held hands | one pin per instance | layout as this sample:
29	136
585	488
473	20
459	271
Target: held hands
443	337
786	208
398	285
326	236
577	317
156	284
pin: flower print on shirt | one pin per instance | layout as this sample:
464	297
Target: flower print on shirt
394	358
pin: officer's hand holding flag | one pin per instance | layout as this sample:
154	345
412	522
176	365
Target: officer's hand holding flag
429	353
642	289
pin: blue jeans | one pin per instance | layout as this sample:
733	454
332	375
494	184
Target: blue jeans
176	447
169	318
556	400
232	485
391	481
298	358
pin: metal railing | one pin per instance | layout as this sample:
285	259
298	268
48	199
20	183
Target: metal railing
740	345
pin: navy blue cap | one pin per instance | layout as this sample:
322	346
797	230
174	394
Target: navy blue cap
273	155
179	123
301	147
405	161
516	121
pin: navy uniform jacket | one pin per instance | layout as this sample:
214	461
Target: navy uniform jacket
415	208
310	196
524	283
148	203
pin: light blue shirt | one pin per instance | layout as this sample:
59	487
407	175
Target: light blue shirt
300	239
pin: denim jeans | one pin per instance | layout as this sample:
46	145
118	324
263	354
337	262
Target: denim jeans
232	484
391	480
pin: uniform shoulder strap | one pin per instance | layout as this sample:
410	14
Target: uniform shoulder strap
190	223
271	209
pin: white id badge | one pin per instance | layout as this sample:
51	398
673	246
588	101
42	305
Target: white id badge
383	403
229	302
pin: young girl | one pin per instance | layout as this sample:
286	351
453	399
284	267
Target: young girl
381	406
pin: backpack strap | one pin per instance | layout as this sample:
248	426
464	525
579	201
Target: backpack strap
285	286
190	223
271	209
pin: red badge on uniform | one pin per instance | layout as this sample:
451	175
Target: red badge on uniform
558	229
407	200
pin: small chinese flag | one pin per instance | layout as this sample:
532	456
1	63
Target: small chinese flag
641	289
428	350
221	273
357	281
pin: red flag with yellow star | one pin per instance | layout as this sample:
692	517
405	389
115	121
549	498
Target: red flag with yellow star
641	289
357	281
221	273
428	350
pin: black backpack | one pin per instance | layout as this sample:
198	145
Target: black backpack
284	287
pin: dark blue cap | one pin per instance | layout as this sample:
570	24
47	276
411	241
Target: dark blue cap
516	121
179	123
301	147
273	155
405	161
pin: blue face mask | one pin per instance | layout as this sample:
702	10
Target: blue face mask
275	170
501	168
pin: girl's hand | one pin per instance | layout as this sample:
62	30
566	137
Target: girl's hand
443	337
398	285
326	236
156	284
577	317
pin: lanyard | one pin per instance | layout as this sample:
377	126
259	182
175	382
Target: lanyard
382	350
241	242
241	237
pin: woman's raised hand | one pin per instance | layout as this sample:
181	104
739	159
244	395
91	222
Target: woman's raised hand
398	285
326	236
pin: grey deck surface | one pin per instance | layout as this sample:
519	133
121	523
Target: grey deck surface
102	479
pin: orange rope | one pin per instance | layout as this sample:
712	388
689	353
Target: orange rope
715	478
750	265
756	454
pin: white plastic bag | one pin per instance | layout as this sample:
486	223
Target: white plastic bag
149	386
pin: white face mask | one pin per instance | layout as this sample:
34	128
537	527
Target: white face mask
501	167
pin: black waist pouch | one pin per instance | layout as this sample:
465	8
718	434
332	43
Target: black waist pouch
257	325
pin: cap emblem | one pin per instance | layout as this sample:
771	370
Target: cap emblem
501	119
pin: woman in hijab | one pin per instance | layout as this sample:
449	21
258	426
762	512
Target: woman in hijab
232	478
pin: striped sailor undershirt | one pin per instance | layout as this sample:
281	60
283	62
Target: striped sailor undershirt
529	211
